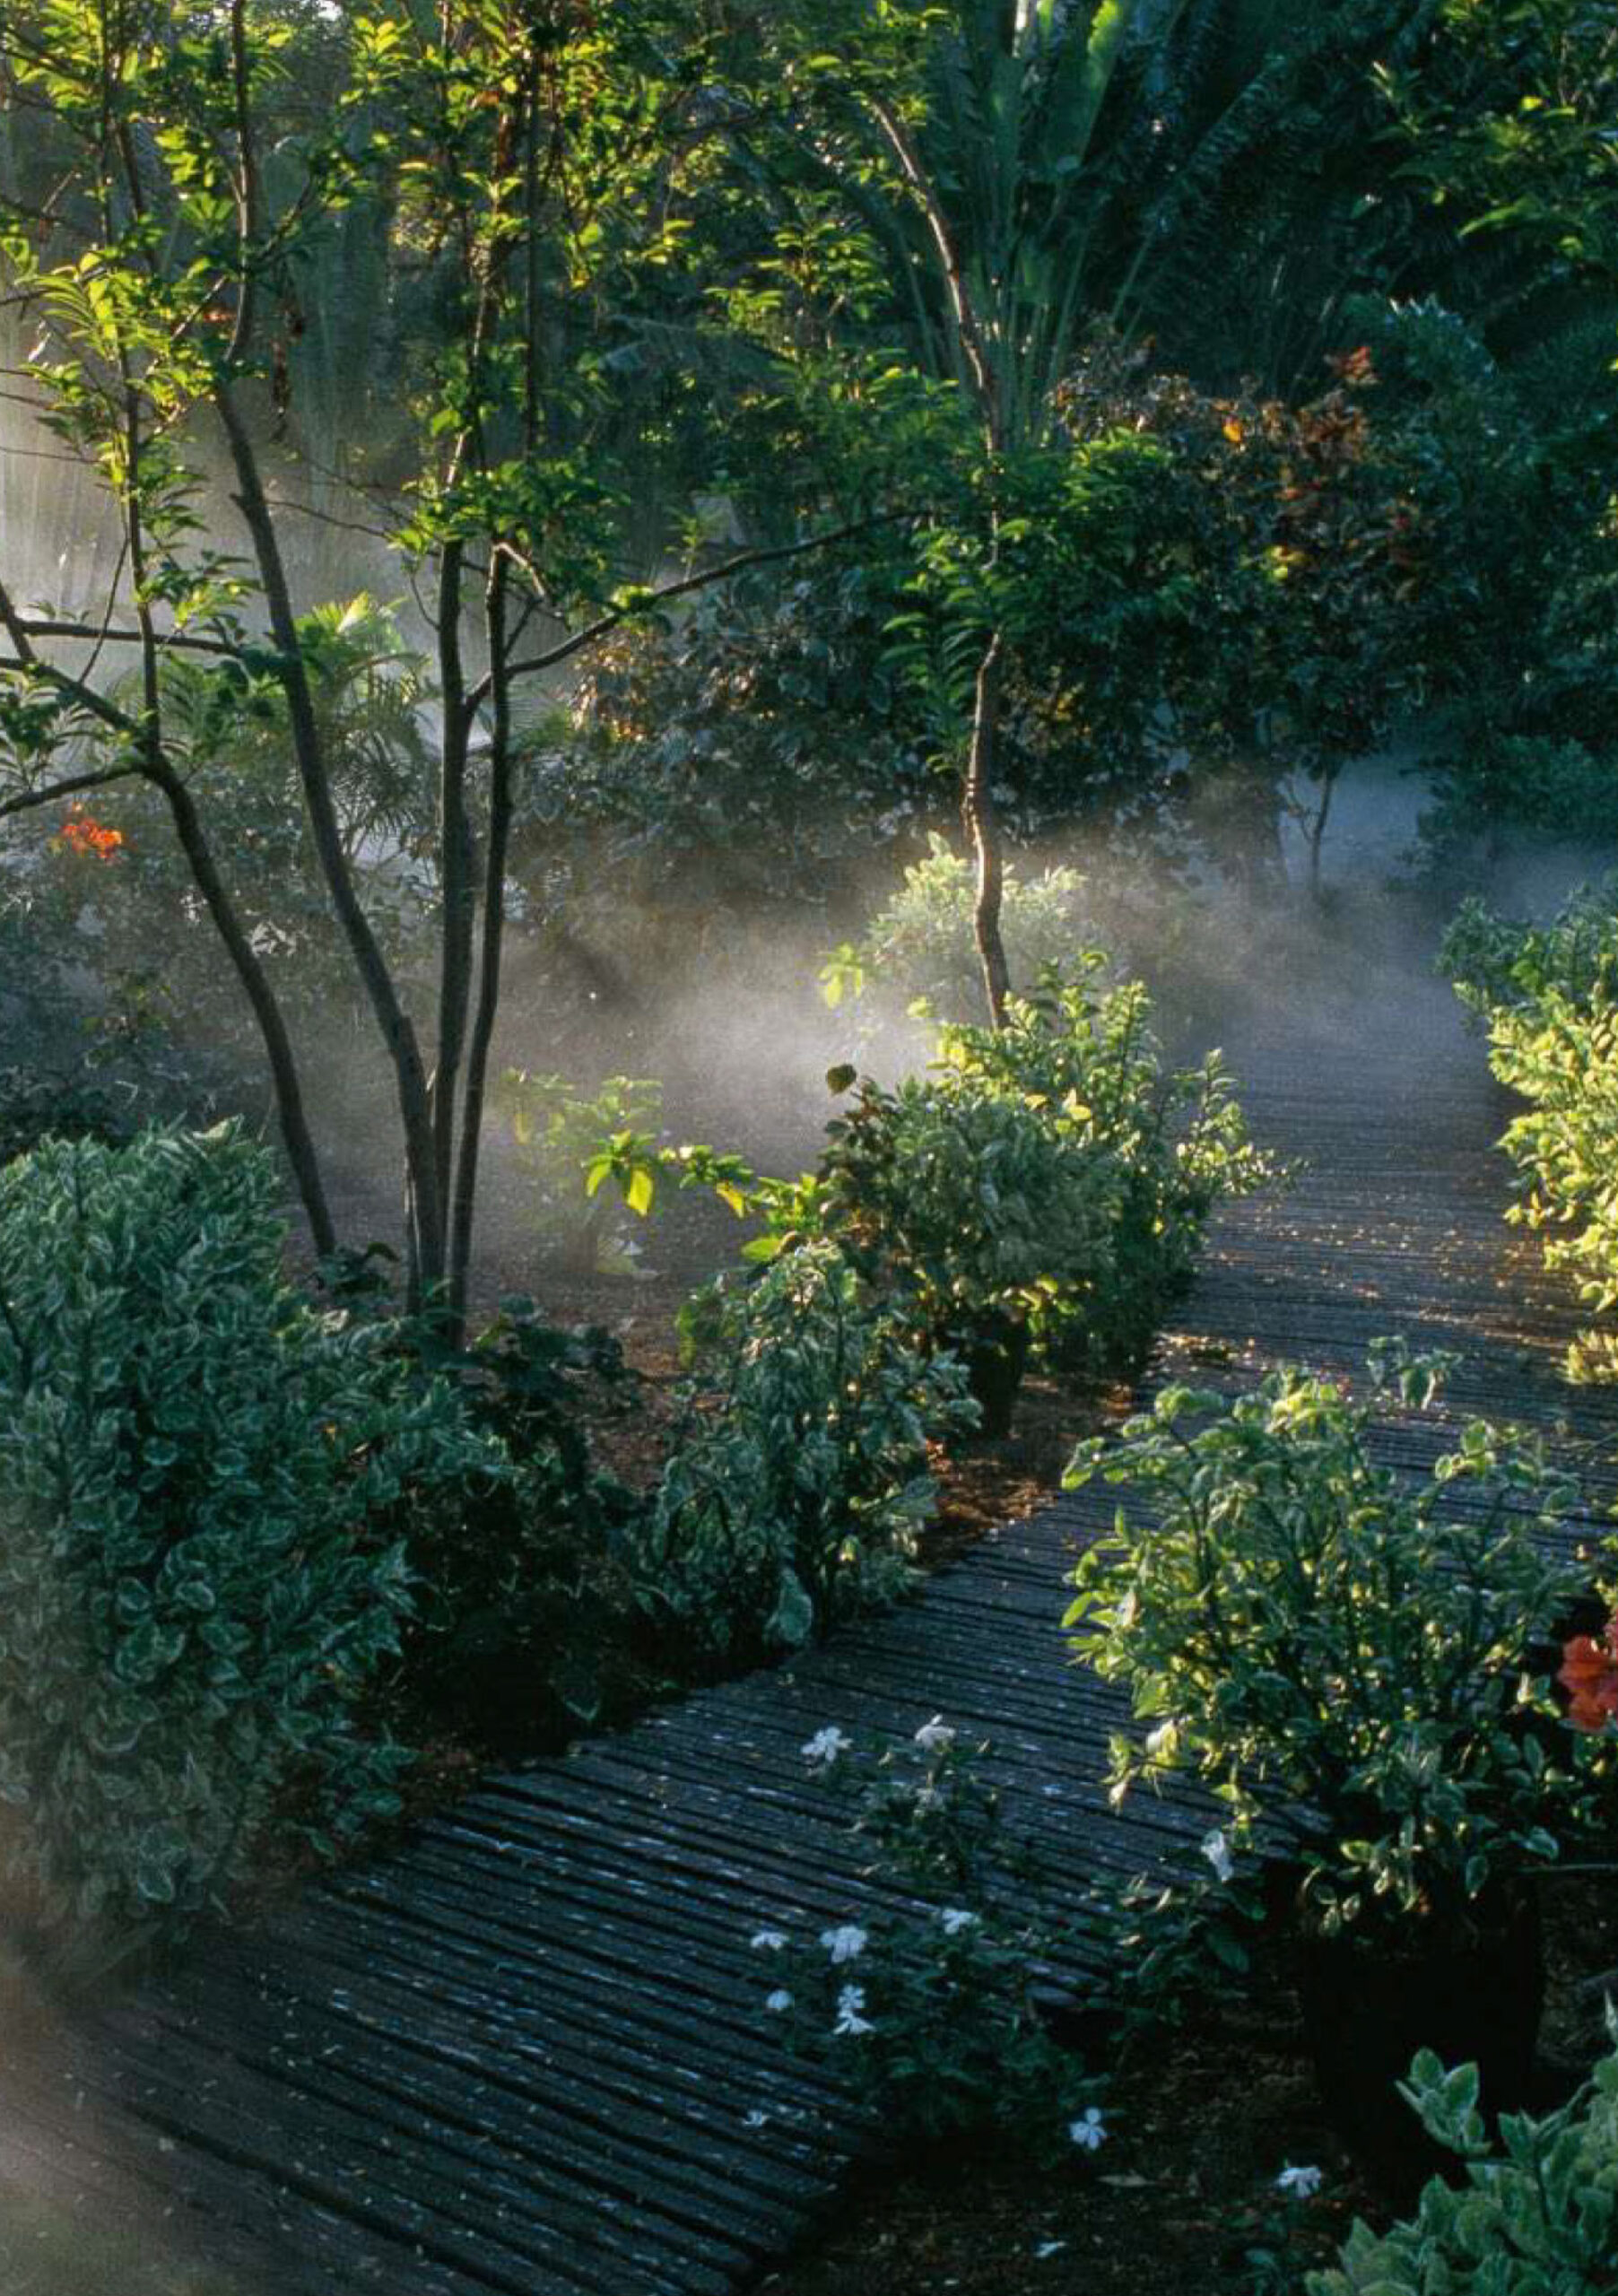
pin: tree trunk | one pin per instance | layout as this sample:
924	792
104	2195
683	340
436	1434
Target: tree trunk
464	1199
982	826
454	866
416	1104
266	1009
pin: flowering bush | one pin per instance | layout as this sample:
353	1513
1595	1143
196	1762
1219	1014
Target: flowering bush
925	2003
801	1482
1340	1649
1536	2216
194	1588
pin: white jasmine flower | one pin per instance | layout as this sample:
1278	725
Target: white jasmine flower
937	1737
1216	1850
844	1944
956	1917
768	1941
850	2019
1089	2132
779	2002
826	1745
1301	2184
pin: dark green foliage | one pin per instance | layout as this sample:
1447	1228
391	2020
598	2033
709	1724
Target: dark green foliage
197	1468
799	1487
748	749
1339	1651
923	1998
1534	2212
524	1619
1050	1173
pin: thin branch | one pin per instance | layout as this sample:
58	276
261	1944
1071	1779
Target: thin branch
95	704
740	564
26	800
93	634
968	327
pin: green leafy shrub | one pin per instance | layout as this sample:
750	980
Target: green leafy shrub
1549	995
801	1482
924	1997
558	1128
1047	1174
1498	963
1538	2216
194	1590
919	946
522	1610
1344	1651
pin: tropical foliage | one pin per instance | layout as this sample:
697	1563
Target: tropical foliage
802	1484
1532	2213
1545	994
201	1583
1339	1652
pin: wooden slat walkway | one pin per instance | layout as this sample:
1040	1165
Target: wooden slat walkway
525	2054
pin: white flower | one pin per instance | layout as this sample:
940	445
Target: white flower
956	1918
1302	2184
779	2002
1048	2248
851	2003
768	1941
936	1737
1216	1850
844	1944
1089	2132
826	1745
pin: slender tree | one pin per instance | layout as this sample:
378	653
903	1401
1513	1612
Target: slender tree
526	158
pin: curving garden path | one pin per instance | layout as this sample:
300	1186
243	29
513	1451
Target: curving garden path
526	2053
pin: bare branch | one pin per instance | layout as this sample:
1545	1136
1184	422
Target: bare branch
683	588
93	634
27	800
969	326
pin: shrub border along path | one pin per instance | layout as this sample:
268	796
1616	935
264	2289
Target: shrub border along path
527	2054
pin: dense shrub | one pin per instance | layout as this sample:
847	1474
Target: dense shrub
1050	1173
1537	2215
1550	998
522	1609
193	1592
1340	1649
801	1482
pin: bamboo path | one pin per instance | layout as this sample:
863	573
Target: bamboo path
526	2053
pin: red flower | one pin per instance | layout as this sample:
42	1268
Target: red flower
1589	1676
82	833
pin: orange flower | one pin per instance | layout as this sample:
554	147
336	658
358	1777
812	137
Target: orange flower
1589	1676
82	833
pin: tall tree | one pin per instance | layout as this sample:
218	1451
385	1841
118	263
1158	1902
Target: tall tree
524	159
